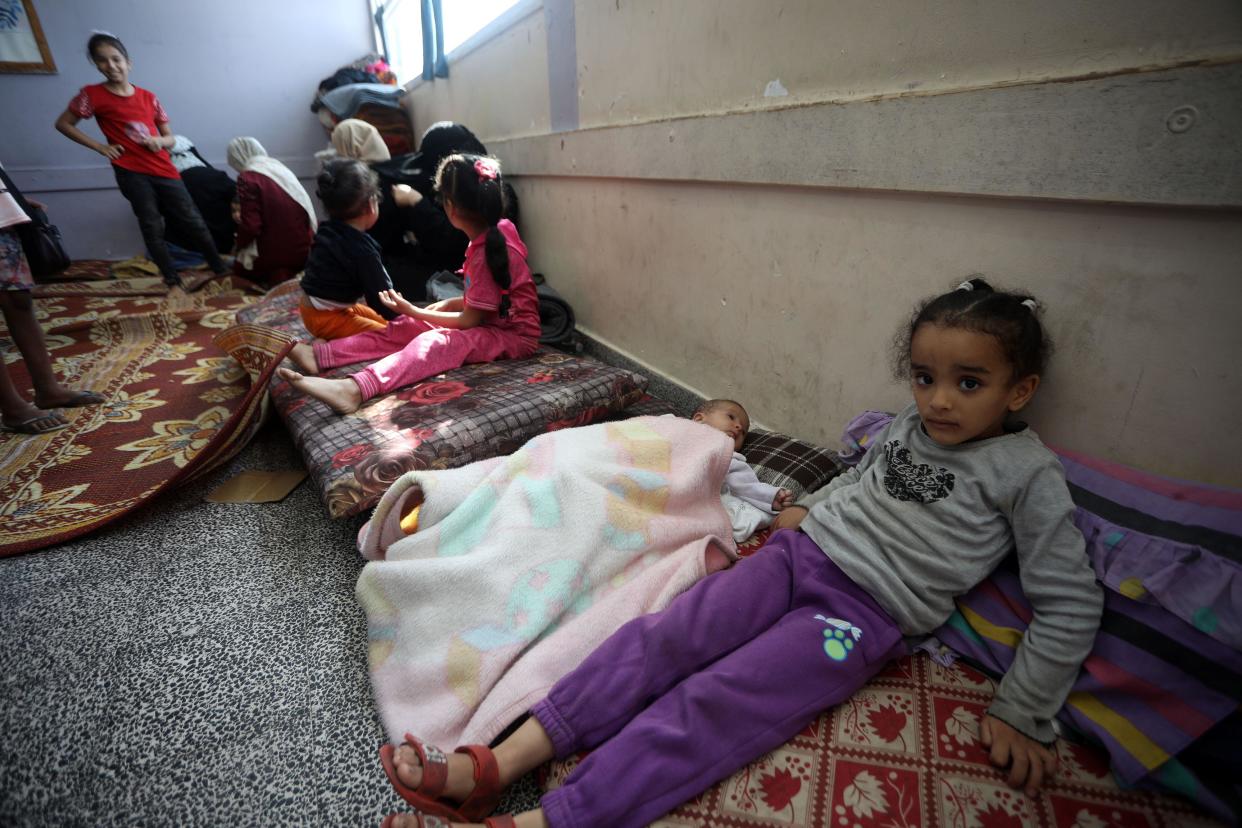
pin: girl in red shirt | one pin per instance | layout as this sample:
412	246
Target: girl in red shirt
138	138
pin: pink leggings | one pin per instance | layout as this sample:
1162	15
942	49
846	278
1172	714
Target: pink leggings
409	350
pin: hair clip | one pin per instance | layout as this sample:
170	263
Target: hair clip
487	169
965	286
1031	304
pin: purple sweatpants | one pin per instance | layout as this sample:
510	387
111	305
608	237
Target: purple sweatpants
409	350
736	666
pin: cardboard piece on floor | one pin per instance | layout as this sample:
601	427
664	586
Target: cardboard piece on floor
257	487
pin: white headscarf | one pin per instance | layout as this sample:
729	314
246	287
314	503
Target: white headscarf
353	138
245	154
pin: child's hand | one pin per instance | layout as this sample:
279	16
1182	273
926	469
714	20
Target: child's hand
783	500
398	302
112	151
789	518
153	143
1029	762
405	195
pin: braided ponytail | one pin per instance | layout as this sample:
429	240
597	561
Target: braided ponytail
473	184
496	249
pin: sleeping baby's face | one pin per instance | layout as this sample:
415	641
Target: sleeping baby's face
728	417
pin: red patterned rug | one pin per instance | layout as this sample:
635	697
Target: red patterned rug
185	391
903	752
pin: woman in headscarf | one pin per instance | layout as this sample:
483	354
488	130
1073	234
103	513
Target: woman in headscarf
357	139
408	208
276	220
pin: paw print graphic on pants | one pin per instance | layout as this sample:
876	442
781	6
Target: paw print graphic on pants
839	637
837	644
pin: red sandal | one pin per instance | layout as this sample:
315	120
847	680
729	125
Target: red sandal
481	801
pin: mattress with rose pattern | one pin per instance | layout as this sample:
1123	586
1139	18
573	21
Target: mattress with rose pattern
471	413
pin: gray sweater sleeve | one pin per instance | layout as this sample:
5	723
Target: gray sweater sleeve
1058	581
843	479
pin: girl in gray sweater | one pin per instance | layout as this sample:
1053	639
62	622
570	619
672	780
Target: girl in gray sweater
740	663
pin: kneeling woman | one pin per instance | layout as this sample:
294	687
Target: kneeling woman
275	221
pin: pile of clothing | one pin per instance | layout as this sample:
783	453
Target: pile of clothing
353	92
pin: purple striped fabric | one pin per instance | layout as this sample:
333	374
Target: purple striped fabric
1166	666
1161	683
1157	505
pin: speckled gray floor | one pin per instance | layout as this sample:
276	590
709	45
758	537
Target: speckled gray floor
194	664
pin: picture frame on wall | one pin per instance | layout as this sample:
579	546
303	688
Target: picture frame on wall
23	48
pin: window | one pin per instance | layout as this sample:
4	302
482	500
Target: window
400	25
400	28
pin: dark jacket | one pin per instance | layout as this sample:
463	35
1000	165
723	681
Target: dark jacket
344	264
441	246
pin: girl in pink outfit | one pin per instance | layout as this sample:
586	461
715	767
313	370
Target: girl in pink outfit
497	318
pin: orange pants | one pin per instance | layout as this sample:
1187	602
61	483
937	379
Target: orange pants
338	324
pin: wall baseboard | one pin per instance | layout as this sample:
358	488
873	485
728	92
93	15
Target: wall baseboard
682	397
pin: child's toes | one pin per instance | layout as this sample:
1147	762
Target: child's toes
409	769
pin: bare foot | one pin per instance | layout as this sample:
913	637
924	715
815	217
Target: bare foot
303	356
177	298
341	395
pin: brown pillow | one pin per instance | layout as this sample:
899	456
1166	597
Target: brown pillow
781	460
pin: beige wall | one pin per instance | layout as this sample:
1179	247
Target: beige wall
787	296
702	56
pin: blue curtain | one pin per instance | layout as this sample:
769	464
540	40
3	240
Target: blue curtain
434	64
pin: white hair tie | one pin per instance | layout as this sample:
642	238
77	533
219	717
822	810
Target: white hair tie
1031	303
965	286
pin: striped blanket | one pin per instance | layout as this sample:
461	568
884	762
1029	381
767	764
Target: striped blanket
1167	663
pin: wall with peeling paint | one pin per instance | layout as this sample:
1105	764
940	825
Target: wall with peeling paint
737	274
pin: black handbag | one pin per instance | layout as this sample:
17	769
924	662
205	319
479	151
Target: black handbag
40	238
41	241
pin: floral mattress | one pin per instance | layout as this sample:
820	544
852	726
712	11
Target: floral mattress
472	413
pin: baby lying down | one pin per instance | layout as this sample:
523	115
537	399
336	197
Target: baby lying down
751	503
